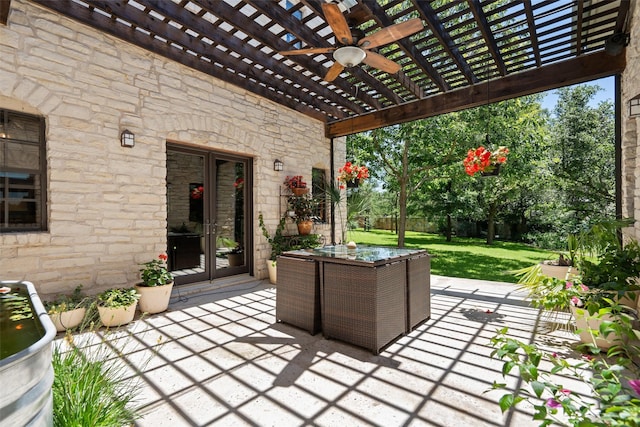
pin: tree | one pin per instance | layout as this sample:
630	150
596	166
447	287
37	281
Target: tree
407	156
583	156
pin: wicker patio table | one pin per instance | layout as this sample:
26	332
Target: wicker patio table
368	296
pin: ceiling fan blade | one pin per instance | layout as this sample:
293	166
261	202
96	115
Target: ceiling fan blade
380	62
337	22
334	72
392	33
307	51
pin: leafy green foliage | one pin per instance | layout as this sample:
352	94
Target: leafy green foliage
277	241
617	401
118	297
155	273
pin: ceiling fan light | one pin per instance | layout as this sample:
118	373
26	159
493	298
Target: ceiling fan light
349	56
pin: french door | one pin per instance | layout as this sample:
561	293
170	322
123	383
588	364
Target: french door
208	213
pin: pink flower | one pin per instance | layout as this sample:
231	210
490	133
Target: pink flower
576	301
554	355
584	288
552	403
568	285
565	391
587	356
635	385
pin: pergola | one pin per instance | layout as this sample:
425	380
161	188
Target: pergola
469	53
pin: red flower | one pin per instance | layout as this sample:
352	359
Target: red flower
163	257
350	172
197	192
481	159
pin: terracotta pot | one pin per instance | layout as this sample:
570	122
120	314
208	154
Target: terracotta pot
273	271
304	227
154	299
299	191
119	316
68	319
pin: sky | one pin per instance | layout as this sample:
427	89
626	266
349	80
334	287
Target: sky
607	93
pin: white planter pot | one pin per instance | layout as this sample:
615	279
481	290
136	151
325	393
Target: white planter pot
154	299
273	271
584	322
111	317
68	319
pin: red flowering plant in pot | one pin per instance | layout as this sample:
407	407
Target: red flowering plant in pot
156	286
296	185
484	161
351	175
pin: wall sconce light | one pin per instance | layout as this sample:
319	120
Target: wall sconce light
278	165
127	139
634	106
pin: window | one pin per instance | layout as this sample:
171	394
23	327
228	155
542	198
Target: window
22	172
319	192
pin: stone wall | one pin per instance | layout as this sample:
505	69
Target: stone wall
106	203
630	87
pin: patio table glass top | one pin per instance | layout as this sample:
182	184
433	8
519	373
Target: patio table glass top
367	254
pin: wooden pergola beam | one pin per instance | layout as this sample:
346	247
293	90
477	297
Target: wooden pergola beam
566	73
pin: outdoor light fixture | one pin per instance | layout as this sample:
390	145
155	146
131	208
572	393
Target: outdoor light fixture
634	106
349	56
614	44
127	139
278	165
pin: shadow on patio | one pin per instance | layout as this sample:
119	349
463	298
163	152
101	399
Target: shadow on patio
225	362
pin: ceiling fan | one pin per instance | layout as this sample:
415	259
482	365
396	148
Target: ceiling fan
355	48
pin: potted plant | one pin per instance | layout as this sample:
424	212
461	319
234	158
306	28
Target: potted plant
236	256
117	306
277	242
68	311
157	284
351	175
304	209
296	185
484	161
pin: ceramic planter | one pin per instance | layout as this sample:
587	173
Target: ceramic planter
273	271
118	316
584	322
299	191
304	228
68	319
154	299
561	272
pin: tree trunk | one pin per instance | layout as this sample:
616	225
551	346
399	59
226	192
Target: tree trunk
448	231
491	223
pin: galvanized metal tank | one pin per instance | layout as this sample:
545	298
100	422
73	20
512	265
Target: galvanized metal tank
26	372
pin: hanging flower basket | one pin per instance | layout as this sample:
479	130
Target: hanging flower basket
353	183
493	171
351	175
486	162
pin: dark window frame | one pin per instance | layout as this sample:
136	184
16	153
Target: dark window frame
41	221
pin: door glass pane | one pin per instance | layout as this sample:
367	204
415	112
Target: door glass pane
230	209
186	198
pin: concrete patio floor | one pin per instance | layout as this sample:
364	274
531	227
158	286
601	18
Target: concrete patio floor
224	361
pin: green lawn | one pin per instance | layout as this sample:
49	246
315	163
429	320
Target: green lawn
463	257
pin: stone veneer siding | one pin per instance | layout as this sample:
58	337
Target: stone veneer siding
630	87
106	203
